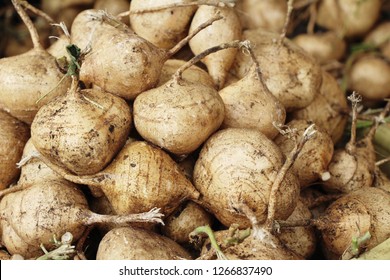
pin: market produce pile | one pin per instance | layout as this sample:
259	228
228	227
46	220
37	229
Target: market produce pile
181	129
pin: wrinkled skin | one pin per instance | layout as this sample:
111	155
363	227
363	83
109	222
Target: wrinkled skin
241	164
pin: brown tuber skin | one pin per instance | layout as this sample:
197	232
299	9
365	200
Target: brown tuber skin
351	171
381	180
181	114
289	72
267	14
349	18
329	109
243	163
379	37
163	28
250	104
312	162
83	130
114	7
123	63
4	255
260	244
324	47
26	77
252	249
32	216
184	220
370	76
223	31
33	170
300	240
353	167
85	30
352	216
131	243
65	10
140	177
13	136
194	73
58	48
37	74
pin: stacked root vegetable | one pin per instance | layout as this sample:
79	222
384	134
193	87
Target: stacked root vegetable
210	129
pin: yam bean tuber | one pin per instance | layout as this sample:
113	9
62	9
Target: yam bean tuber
13	136
289	72
32	216
242	163
87	146
140	177
26	77
130	243
226	30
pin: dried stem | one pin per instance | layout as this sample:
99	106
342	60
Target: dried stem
191	35
258	232
355	100
290	8
243	208
153	216
28	22
285	130
235	44
123	14
80	243
47	93
301	4
258	70
94	103
64	29
73	87
312	19
216	3
307	135
37	11
12	189
96	180
382	161
26	159
112	20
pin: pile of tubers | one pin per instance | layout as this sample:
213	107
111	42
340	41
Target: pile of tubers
180	129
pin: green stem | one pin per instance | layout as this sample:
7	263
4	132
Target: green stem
50	91
207	230
382	136
380	252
